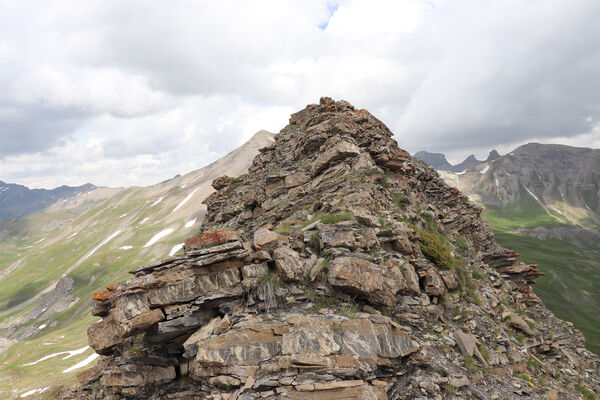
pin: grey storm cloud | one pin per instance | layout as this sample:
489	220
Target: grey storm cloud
35	128
115	81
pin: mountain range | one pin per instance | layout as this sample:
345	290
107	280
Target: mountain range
440	163
543	200
18	201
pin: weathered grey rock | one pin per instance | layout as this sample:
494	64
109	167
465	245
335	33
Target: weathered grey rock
411	278
337	236
450	279
289	264
434	286
334	152
358	276
265	239
296	179
137	375
518	322
467	344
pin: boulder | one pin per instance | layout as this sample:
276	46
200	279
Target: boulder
337	236
450	279
264	239
411	278
359	276
296	179
339	151
289	264
434	285
467	345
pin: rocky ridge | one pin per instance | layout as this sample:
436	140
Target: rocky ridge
339	267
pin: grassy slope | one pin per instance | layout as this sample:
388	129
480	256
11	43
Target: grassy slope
45	262
571	285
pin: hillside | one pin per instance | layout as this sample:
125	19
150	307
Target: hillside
52	262
543	201
338	267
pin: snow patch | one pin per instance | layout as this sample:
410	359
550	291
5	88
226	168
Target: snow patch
41	240
70	353
34	391
485	169
531	193
157	201
122	215
557	210
144	220
125	247
42	326
190	223
508	174
496	180
460	173
588	207
82	363
159	236
175	249
189	196
72	235
108	239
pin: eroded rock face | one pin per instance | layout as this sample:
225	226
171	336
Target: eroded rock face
324	286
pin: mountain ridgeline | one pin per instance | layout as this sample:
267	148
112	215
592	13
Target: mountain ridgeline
338	267
439	162
18	201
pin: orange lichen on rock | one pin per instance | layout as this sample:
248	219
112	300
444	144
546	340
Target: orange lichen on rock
209	239
102	295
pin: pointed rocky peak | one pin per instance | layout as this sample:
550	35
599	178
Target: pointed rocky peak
338	267
436	160
493	155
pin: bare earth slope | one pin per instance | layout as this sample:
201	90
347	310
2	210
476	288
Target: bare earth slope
339	267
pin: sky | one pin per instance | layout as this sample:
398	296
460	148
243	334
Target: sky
131	93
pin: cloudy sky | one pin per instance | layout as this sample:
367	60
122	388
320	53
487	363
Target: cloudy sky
134	92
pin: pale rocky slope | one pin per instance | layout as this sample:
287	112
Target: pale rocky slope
339	267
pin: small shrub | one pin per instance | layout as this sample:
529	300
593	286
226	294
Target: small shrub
476	274
434	250
484	352
470	364
285	229
461	244
428	221
400	201
533	364
327	218
585	392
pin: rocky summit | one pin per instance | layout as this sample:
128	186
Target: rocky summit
338	267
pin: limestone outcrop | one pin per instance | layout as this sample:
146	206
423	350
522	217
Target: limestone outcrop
339	267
